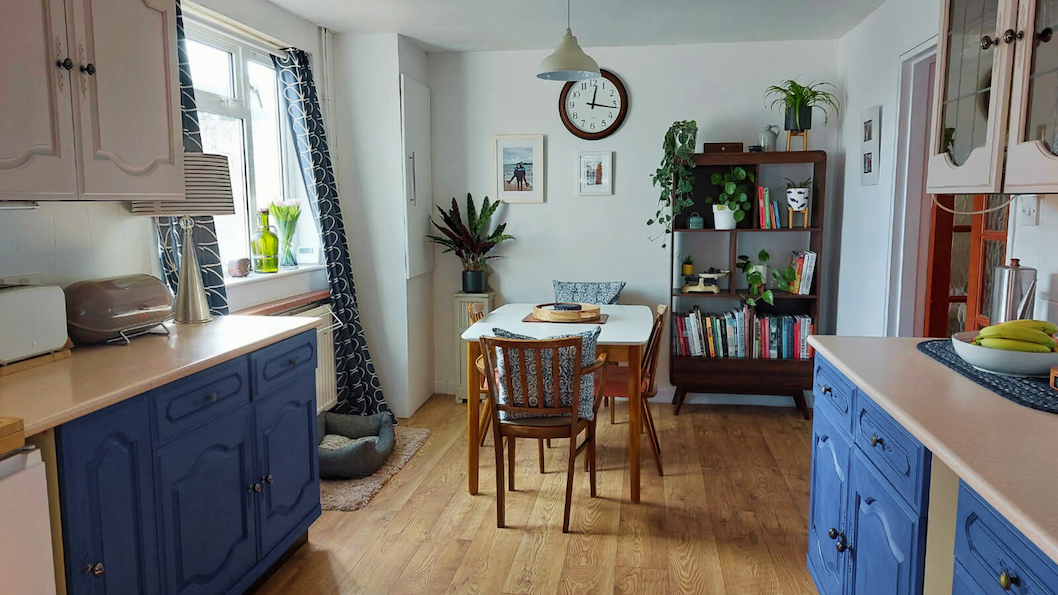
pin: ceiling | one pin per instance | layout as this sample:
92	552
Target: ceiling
472	25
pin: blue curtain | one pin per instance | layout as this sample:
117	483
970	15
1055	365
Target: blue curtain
359	391
205	233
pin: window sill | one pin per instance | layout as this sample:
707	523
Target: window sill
261	278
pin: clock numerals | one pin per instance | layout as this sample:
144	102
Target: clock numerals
594	108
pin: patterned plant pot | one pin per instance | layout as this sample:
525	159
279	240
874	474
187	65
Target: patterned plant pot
797	198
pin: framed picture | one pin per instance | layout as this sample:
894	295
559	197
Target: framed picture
594	173
518	161
870	144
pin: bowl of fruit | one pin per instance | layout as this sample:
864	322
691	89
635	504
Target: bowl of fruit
1024	348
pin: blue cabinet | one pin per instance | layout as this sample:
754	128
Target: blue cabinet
826	517
107	494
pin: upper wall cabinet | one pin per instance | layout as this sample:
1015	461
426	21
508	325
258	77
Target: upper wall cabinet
1032	157
90	100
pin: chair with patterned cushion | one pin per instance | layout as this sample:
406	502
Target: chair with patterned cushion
542	389
588	292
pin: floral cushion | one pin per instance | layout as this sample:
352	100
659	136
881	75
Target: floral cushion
588	292
565	380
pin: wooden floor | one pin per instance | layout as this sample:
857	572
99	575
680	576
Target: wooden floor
729	517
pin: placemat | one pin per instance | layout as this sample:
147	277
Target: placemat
600	320
1030	392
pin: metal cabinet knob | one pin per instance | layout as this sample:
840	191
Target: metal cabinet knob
827	390
1009	36
875	440
1006	580
832	533
267	478
255	487
1045	35
293	361
66	64
96	570
89	69
841	546
211	397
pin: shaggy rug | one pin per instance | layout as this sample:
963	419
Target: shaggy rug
354	494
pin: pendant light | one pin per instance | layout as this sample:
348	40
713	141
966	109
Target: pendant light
568	62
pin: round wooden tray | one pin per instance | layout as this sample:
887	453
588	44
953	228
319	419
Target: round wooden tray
586	312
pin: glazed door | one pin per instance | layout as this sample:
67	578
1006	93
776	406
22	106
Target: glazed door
829	488
37	159
972	96
1032	157
126	79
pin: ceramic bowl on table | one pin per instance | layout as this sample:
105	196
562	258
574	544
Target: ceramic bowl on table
997	361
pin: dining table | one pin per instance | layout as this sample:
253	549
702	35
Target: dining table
624	333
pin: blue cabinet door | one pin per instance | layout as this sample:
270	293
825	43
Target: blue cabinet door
106	490
826	517
886	537
206	499
287	458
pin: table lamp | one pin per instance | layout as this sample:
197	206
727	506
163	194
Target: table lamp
207	191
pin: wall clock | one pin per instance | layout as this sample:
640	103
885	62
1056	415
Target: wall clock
595	108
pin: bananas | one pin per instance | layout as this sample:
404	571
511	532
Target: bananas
1031	336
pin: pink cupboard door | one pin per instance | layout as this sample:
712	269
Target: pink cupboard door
127	81
37	159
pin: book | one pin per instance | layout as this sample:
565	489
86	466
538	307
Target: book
760	206
776	220
798	265
709	335
773	338
809	271
767	209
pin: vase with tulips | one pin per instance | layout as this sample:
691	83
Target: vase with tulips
285	213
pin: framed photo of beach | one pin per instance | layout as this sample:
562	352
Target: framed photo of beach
594	173
518	161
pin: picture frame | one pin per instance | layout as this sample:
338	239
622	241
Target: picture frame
519	167
870	143
594	173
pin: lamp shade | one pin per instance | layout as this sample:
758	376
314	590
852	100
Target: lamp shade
207	190
568	62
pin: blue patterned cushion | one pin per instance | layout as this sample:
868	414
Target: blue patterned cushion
588	292
565	379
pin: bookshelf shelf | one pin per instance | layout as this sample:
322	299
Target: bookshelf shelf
752	230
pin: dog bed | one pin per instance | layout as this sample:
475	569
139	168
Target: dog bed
353	446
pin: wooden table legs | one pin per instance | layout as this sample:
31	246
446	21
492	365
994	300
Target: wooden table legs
473	415
635	415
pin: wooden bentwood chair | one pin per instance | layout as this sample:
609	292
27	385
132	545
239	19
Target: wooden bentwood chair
549	421
616	385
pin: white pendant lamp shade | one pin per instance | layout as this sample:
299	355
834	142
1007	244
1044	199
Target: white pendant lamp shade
568	62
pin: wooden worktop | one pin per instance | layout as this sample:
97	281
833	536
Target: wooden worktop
1004	451
101	375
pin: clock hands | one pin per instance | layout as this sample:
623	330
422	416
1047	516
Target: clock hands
593	96
594	105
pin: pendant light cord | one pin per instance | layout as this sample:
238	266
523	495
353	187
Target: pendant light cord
981	212
568	21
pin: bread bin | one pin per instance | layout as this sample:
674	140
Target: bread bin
105	309
33	322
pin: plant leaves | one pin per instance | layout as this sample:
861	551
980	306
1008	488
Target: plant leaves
763	256
768	297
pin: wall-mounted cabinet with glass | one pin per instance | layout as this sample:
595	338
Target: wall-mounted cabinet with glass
996	98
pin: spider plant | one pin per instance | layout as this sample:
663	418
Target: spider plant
796	97
470	242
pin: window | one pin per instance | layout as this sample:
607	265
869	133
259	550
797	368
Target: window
241	115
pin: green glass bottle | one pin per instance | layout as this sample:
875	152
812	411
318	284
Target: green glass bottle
265	245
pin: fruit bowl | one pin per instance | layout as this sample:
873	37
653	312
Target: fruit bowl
1006	363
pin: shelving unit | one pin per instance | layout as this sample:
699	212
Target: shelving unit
746	375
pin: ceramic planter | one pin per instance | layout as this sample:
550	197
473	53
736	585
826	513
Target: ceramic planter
687	269
473	281
723	217
792	119
797	198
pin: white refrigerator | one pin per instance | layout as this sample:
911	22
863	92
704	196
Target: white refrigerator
25	532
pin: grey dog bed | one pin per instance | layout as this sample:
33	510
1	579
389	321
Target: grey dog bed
353	446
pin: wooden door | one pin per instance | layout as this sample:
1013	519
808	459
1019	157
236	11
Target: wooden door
418	188
287	458
826	516
106	487
37	158
886	538
1032	155
131	135
988	248
207	502
948	267
972	96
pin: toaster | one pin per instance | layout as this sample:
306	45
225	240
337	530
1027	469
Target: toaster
117	307
32	321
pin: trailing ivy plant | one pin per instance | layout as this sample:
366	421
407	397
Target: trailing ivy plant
733	193
756	281
677	161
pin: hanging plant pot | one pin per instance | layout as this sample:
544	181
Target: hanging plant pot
723	217
793	124
473	281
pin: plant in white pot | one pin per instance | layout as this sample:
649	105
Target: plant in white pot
731	206
797	194
471	242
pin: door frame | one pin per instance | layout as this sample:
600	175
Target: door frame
909	223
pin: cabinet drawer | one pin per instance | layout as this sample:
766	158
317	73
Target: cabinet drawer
191	402
284	361
987	546
962	584
898	456
834	392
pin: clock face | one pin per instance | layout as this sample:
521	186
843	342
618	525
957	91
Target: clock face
594	108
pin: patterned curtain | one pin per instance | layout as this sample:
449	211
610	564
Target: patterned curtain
205	234
359	391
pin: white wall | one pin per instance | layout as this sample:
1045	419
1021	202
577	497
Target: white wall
569	237
869	56
1037	247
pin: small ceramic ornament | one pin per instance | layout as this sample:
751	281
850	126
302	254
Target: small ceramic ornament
239	268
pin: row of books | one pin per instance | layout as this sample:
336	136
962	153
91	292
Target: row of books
742	333
804	265
768	210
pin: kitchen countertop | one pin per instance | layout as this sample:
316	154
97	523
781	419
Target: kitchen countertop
97	376
1003	450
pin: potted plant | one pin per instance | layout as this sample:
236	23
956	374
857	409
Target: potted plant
674	176
730	207
471	242
798	100
757	278
797	194
688	266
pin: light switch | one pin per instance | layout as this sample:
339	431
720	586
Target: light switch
1029	210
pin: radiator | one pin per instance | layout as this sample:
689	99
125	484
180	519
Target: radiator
326	378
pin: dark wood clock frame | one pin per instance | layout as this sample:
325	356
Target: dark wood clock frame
618	121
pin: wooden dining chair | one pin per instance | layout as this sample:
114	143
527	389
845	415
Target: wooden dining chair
615	385
529	413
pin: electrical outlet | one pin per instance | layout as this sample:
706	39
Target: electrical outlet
1029	210
23	279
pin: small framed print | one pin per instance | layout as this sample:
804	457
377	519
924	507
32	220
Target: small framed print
518	161
870	145
595	173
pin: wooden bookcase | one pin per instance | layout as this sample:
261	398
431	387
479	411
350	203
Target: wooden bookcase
746	375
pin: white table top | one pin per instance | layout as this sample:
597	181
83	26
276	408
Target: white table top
626	325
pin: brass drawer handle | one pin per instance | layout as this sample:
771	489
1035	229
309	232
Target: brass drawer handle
293	361
1006	580
96	570
211	397
875	440
827	390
